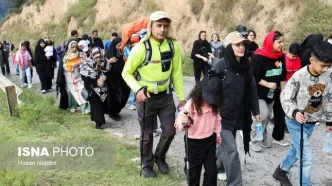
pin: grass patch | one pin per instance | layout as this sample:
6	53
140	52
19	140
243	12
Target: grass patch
40	120
196	6
152	5
187	65
220	10
315	17
250	8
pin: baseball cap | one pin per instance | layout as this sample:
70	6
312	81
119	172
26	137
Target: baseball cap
242	29
155	16
234	38
211	88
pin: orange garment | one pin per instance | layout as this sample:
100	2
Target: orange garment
70	62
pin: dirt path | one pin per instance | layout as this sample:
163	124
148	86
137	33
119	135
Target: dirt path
260	166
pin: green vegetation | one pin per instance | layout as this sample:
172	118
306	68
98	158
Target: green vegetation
196	6
187	65
40	120
152	5
315	17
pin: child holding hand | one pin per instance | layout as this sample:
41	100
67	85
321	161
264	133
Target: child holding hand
203	133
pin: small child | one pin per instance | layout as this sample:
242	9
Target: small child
292	60
14	63
84	43
23	59
203	135
49	49
306	99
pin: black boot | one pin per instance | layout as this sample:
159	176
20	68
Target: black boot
115	117
162	165
148	172
98	126
281	176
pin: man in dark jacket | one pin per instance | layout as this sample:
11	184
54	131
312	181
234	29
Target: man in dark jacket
95	41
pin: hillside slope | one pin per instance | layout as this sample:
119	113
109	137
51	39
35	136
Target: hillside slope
55	18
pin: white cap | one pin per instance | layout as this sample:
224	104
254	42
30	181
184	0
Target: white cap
155	16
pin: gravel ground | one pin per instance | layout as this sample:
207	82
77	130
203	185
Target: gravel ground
259	167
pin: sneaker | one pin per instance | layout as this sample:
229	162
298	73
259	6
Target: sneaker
132	107
29	85
87	112
72	110
317	124
281	142
43	91
256	146
148	172
266	144
281	176
22	86
222	176
162	165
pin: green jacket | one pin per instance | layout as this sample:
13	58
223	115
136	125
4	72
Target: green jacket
153	71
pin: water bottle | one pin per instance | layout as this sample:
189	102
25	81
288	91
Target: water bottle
271	93
327	142
259	132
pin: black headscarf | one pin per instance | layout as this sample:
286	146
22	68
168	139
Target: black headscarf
201	47
242	67
39	52
230	58
306	47
118	89
112	51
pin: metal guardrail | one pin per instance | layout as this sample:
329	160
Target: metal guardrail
12	92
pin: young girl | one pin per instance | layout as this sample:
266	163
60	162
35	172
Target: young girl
23	59
203	135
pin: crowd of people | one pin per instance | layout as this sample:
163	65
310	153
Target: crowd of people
243	85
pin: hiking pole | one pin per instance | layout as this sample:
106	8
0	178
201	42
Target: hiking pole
142	130
301	152
187	149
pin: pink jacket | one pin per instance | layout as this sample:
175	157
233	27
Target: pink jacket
204	125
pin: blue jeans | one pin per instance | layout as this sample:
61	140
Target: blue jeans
293	153
131	99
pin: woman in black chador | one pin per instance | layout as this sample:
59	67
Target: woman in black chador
119	91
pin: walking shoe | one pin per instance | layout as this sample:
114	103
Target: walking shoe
115	117
29	85
43	91
162	165
281	176
317	124
87	112
22	86
148	172
72	110
98	127
132	107
266	144
256	146
222	176
281	142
